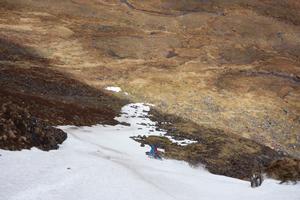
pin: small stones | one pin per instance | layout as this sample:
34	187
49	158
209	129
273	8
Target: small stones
11	135
4	138
23	139
143	124
171	54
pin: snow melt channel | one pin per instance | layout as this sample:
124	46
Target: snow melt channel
102	162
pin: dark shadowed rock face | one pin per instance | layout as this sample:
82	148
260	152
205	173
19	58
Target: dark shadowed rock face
19	130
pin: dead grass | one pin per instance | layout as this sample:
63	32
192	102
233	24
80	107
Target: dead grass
286	170
221	153
213	81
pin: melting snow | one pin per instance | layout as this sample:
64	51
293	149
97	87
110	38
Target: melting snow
137	116
102	162
183	142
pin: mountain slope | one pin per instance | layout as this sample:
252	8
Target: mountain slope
102	162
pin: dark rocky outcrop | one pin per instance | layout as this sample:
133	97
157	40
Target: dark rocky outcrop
19	130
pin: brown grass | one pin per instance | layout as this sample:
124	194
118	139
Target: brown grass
285	170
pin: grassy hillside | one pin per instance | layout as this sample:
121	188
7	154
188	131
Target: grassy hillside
230	67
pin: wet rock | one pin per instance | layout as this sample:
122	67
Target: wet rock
124	123
143	124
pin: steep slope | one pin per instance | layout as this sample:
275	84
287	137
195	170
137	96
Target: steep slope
231	66
102	162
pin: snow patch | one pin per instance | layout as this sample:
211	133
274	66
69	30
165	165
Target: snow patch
113	89
136	114
102	162
183	142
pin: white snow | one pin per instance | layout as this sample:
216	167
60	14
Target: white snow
103	163
137	115
183	142
113	89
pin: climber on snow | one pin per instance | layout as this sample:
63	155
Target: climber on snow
153	152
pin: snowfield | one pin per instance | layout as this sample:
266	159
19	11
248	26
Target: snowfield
103	163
